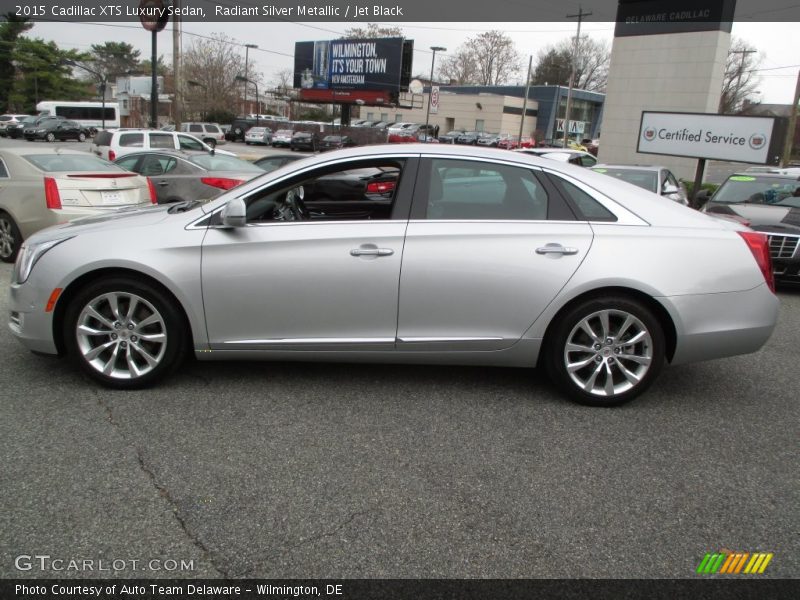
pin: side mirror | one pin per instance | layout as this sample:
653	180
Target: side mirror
670	189
235	213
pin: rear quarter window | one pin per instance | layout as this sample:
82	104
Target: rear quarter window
103	138
588	208
131	140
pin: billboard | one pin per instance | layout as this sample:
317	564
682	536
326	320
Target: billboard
357	64
711	136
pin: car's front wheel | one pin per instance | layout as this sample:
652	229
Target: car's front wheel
124	333
50	137
81	137
605	351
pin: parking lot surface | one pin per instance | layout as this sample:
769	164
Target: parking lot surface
323	470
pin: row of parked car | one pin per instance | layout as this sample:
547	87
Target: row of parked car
48	128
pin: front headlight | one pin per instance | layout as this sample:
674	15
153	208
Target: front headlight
29	254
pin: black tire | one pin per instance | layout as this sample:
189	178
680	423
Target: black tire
50	137
211	142
10	238
238	133
170	353
81	137
608	353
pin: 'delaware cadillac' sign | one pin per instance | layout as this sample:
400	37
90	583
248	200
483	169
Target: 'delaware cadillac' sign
700	135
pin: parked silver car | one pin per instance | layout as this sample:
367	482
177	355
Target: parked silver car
653	178
507	260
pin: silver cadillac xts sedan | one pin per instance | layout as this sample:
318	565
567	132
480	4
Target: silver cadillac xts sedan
418	254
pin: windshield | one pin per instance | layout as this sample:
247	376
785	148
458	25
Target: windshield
647	180
71	162
752	189
220	162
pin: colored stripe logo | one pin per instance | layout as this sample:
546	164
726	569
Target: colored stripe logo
734	563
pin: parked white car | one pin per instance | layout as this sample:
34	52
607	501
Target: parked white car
111	144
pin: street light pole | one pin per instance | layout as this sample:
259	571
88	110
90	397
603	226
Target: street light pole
246	65
246	80
430	91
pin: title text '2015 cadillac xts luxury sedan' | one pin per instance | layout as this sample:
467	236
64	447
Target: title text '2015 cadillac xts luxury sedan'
450	255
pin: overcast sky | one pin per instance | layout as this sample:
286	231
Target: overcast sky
777	42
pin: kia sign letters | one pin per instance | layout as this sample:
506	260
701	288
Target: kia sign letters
709	136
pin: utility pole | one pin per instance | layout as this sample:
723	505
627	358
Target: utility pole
246	76
787	149
580	17
525	101
176	66
740	71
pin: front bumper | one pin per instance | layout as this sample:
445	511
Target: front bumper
28	321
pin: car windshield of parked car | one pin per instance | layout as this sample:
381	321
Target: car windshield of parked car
70	162
647	180
739	189
219	162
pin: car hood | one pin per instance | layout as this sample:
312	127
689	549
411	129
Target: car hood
785	219
124	218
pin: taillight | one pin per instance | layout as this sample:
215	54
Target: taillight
151	186
223	183
112	156
51	196
380	187
759	246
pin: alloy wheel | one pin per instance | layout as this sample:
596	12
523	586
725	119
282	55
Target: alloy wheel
7	239
121	335
608	353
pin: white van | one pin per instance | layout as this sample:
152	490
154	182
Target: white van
113	143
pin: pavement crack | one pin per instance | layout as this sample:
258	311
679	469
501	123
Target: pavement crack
162	490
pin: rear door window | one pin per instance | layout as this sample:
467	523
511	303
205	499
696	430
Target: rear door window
162	140
189	143
195	127
131	140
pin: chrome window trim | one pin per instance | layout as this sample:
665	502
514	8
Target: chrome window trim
250	187
624	216
5	169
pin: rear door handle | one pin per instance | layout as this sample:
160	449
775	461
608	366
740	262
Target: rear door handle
371	252
556	249
163	182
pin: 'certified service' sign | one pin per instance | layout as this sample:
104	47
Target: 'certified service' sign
697	135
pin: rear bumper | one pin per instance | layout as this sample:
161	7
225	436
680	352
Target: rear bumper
711	326
787	269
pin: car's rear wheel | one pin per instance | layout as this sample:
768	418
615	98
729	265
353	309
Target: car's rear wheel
50	137
81	137
10	238
211	142
605	351
124	333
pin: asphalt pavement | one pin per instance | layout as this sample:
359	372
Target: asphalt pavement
345	471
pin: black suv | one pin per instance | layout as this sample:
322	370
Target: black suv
765	202
240	126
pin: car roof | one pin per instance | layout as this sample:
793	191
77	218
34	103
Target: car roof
168	151
37	149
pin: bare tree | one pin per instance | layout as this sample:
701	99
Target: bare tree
372	31
489	58
591	69
496	57
283	81
740	79
212	66
459	67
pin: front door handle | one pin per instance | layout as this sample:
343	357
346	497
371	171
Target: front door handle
371	252
556	249
163	183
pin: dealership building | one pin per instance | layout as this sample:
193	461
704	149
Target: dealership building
498	108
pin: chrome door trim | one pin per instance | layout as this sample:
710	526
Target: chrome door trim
422	340
300	341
